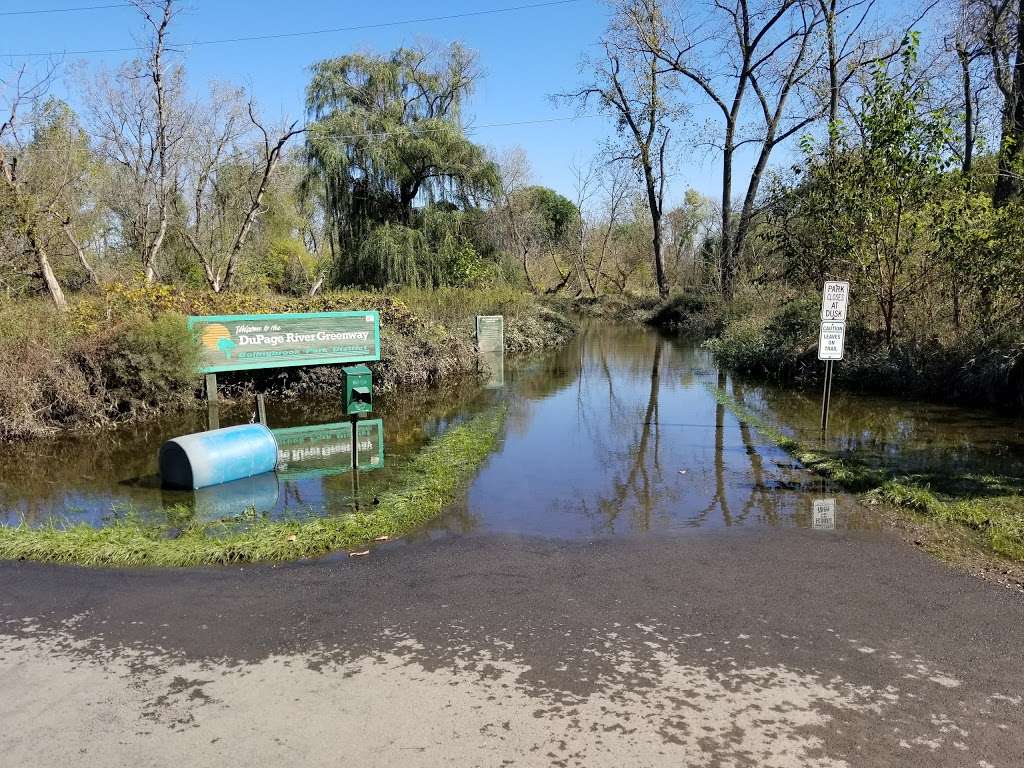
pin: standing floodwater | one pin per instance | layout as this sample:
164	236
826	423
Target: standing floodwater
616	433
619	433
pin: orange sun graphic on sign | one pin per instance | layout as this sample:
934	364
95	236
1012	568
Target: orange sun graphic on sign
213	335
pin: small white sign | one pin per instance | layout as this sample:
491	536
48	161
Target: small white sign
823	514
830	341
834	299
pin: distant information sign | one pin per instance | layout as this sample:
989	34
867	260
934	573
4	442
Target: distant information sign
830	341
243	342
490	333
823	514
834	300
326	449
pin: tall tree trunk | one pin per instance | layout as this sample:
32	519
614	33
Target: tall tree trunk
965	71
70	234
1011	151
829	11
43	260
654	204
727	262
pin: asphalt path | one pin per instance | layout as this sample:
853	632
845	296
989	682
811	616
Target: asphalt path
757	647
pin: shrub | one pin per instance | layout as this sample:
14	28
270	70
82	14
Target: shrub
144	363
691	314
777	342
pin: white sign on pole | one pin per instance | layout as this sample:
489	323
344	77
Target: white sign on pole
834	299
830	341
823	514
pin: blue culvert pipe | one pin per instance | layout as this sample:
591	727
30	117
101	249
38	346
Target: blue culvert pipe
218	456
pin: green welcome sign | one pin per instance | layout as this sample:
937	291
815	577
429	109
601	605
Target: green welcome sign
243	342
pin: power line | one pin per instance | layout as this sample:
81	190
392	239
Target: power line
37	11
310	33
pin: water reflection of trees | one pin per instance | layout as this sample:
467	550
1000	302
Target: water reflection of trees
904	435
624	375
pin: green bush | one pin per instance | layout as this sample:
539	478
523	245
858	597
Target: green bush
691	314
62	369
779	341
146	362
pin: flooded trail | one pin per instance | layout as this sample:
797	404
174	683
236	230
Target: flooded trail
620	434
633	578
616	434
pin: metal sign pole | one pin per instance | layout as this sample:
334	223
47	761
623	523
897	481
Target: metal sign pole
355	462
835	297
826	395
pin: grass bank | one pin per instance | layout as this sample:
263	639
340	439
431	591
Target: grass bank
991	507
124	352
427	485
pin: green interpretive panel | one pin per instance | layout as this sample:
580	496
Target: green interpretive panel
326	449
244	342
490	333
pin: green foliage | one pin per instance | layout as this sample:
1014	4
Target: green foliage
868	205
427	486
558	216
122	353
73	371
770	343
147	362
690	314
386	133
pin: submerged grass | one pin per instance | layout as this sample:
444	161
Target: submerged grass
991	507
426	487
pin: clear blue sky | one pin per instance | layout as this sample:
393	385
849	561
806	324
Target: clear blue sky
526	56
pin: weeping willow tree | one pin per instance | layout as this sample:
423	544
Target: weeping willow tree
385	144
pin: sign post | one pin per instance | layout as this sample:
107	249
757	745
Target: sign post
248	342
835	300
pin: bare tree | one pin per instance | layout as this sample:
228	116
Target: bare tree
613	191
852	44
968	41
140	117
228	190
28	210
518	221
769	57
159	20
631	85
1002	24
